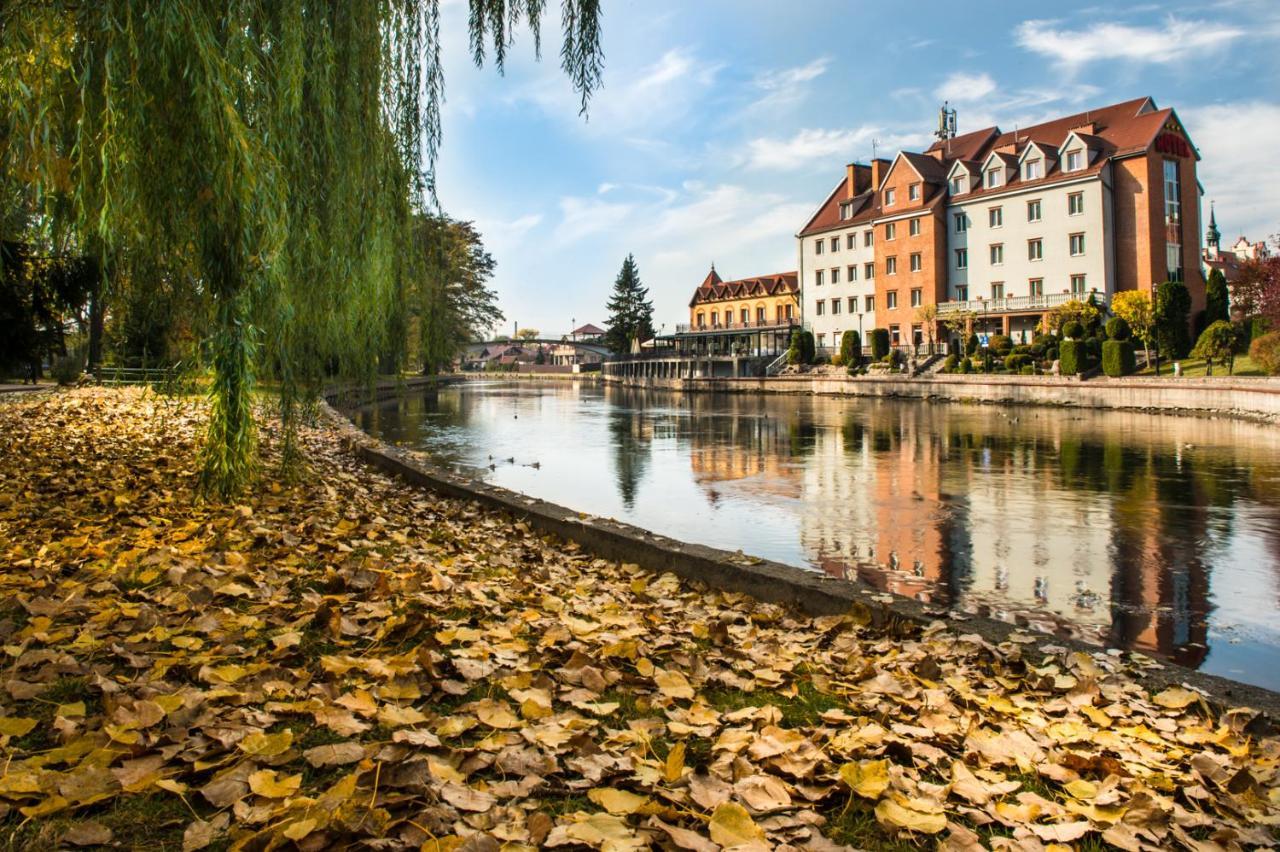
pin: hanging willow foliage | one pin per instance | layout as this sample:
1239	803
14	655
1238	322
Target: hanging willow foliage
276	154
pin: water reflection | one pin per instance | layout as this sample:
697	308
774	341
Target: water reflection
1148	532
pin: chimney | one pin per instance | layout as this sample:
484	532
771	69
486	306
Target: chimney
851	181
879	168
858	180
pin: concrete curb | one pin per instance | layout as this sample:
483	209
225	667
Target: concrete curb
773	582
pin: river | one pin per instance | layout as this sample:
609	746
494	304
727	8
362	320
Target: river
1155	533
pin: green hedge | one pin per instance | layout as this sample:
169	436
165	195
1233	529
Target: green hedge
1015	362
1117	358
851	349
879	338
1071	357
951	364
966	366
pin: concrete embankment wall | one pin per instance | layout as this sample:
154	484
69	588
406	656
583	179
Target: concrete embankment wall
1252	398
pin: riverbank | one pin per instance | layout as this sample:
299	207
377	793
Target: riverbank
344	657
1257	399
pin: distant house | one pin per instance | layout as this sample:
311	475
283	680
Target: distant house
586	333
1229	262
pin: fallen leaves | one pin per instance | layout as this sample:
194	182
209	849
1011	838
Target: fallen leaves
345	661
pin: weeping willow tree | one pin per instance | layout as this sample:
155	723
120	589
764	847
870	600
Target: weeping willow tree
273	153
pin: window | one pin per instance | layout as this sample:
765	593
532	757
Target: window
835	275
820	307
997	289
889	197
1077	245
962	258
1032	170
891	266
891	299
916	264
1172	194
1173	256
869	271
962	223
789	308
835	306
917	335
868	237
891	231
852	273
869	304
895	337
745	316
1075	160
853	304
994	178
1035	249
917	297
962	293
957	185
817	277
822	338
997	254
760	316
1077	285
702	320
913	229
1036	285
1075	204
846	210
1033	211
835	244
852	242
913	192
995	217
818	246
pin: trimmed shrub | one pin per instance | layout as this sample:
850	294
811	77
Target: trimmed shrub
1051	353
950	365
1001	344
1118	329
1216	341
894	358
971	345
1072	357
837	360
966	366
1172	314
1073	330
1028	370
879	338
1265	351
850	349
66	370
802	348
1015	362
1117	358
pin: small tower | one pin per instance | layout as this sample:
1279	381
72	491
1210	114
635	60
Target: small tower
1212	236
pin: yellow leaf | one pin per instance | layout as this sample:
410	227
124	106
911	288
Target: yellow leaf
732	826
496	714
266	783
673	768
673	684
395	716
911	814
617	801
172	786
120	734
16	726
1176	698
868	778
69	711
644	667
53	804
259	744
1082	789
300	829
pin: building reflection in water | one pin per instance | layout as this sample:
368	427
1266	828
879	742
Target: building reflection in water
1128	529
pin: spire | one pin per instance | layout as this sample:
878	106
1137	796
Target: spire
1212	237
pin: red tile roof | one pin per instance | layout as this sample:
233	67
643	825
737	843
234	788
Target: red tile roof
587	329
713	289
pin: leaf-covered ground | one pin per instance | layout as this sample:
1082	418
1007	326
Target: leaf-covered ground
349	662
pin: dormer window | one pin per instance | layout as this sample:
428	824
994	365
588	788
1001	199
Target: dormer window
957	185
913	192
889	197
994	178
1075	160
846	210
1033	170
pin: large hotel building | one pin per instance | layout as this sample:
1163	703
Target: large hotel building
1001	227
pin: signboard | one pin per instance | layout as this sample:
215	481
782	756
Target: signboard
984	339
1168	143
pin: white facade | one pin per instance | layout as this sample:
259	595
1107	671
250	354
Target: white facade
1045	242
837	293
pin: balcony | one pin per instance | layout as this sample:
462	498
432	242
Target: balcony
1016	304
686	328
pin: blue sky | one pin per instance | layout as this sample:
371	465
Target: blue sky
722	125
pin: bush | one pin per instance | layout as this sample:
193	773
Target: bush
1118	329
966	366
1051	353
1265	351
950	365
879	343
1015	362
1073	330
1216	341
1028	370
1117	358
1072	357
1092	351
850	349
1172	316
802	349
66	370
837	360
987	361
971	345
1001	344
894	358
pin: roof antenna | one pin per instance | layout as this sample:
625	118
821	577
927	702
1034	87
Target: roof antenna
874	144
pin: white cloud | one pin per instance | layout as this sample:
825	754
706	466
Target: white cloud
813	145
965	88
1238	171
1174	41
788	78
582	217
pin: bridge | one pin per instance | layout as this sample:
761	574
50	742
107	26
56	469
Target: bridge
596	346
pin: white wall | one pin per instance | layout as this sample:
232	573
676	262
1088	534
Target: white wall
828	328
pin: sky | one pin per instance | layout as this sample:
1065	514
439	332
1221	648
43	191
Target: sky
721	126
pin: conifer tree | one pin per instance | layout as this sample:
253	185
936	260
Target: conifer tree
1216	298
630	310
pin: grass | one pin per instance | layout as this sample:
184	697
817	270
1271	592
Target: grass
805	708
139	822
1195	368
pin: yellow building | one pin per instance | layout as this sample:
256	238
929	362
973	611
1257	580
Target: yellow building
761	302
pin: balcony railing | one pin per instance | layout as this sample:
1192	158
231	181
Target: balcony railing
686	328
1014	304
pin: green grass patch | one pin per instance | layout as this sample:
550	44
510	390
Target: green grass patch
138	822
803	709
1195	368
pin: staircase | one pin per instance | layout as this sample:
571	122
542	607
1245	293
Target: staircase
775	366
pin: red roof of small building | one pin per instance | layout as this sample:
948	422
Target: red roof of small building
713	289
588	329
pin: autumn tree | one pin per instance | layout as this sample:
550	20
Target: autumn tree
271	154
1134	307
1257	290
528	334
630	310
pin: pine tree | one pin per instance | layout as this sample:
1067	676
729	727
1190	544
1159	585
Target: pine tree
630	310
1216	299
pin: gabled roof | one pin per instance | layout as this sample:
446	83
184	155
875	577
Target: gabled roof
929	169
587	329
1037	148
776	284
1009	160
827	216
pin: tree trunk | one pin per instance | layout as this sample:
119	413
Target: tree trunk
230	449
97	311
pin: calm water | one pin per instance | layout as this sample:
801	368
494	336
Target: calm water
1150	532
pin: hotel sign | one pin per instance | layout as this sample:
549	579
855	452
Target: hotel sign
1168	143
